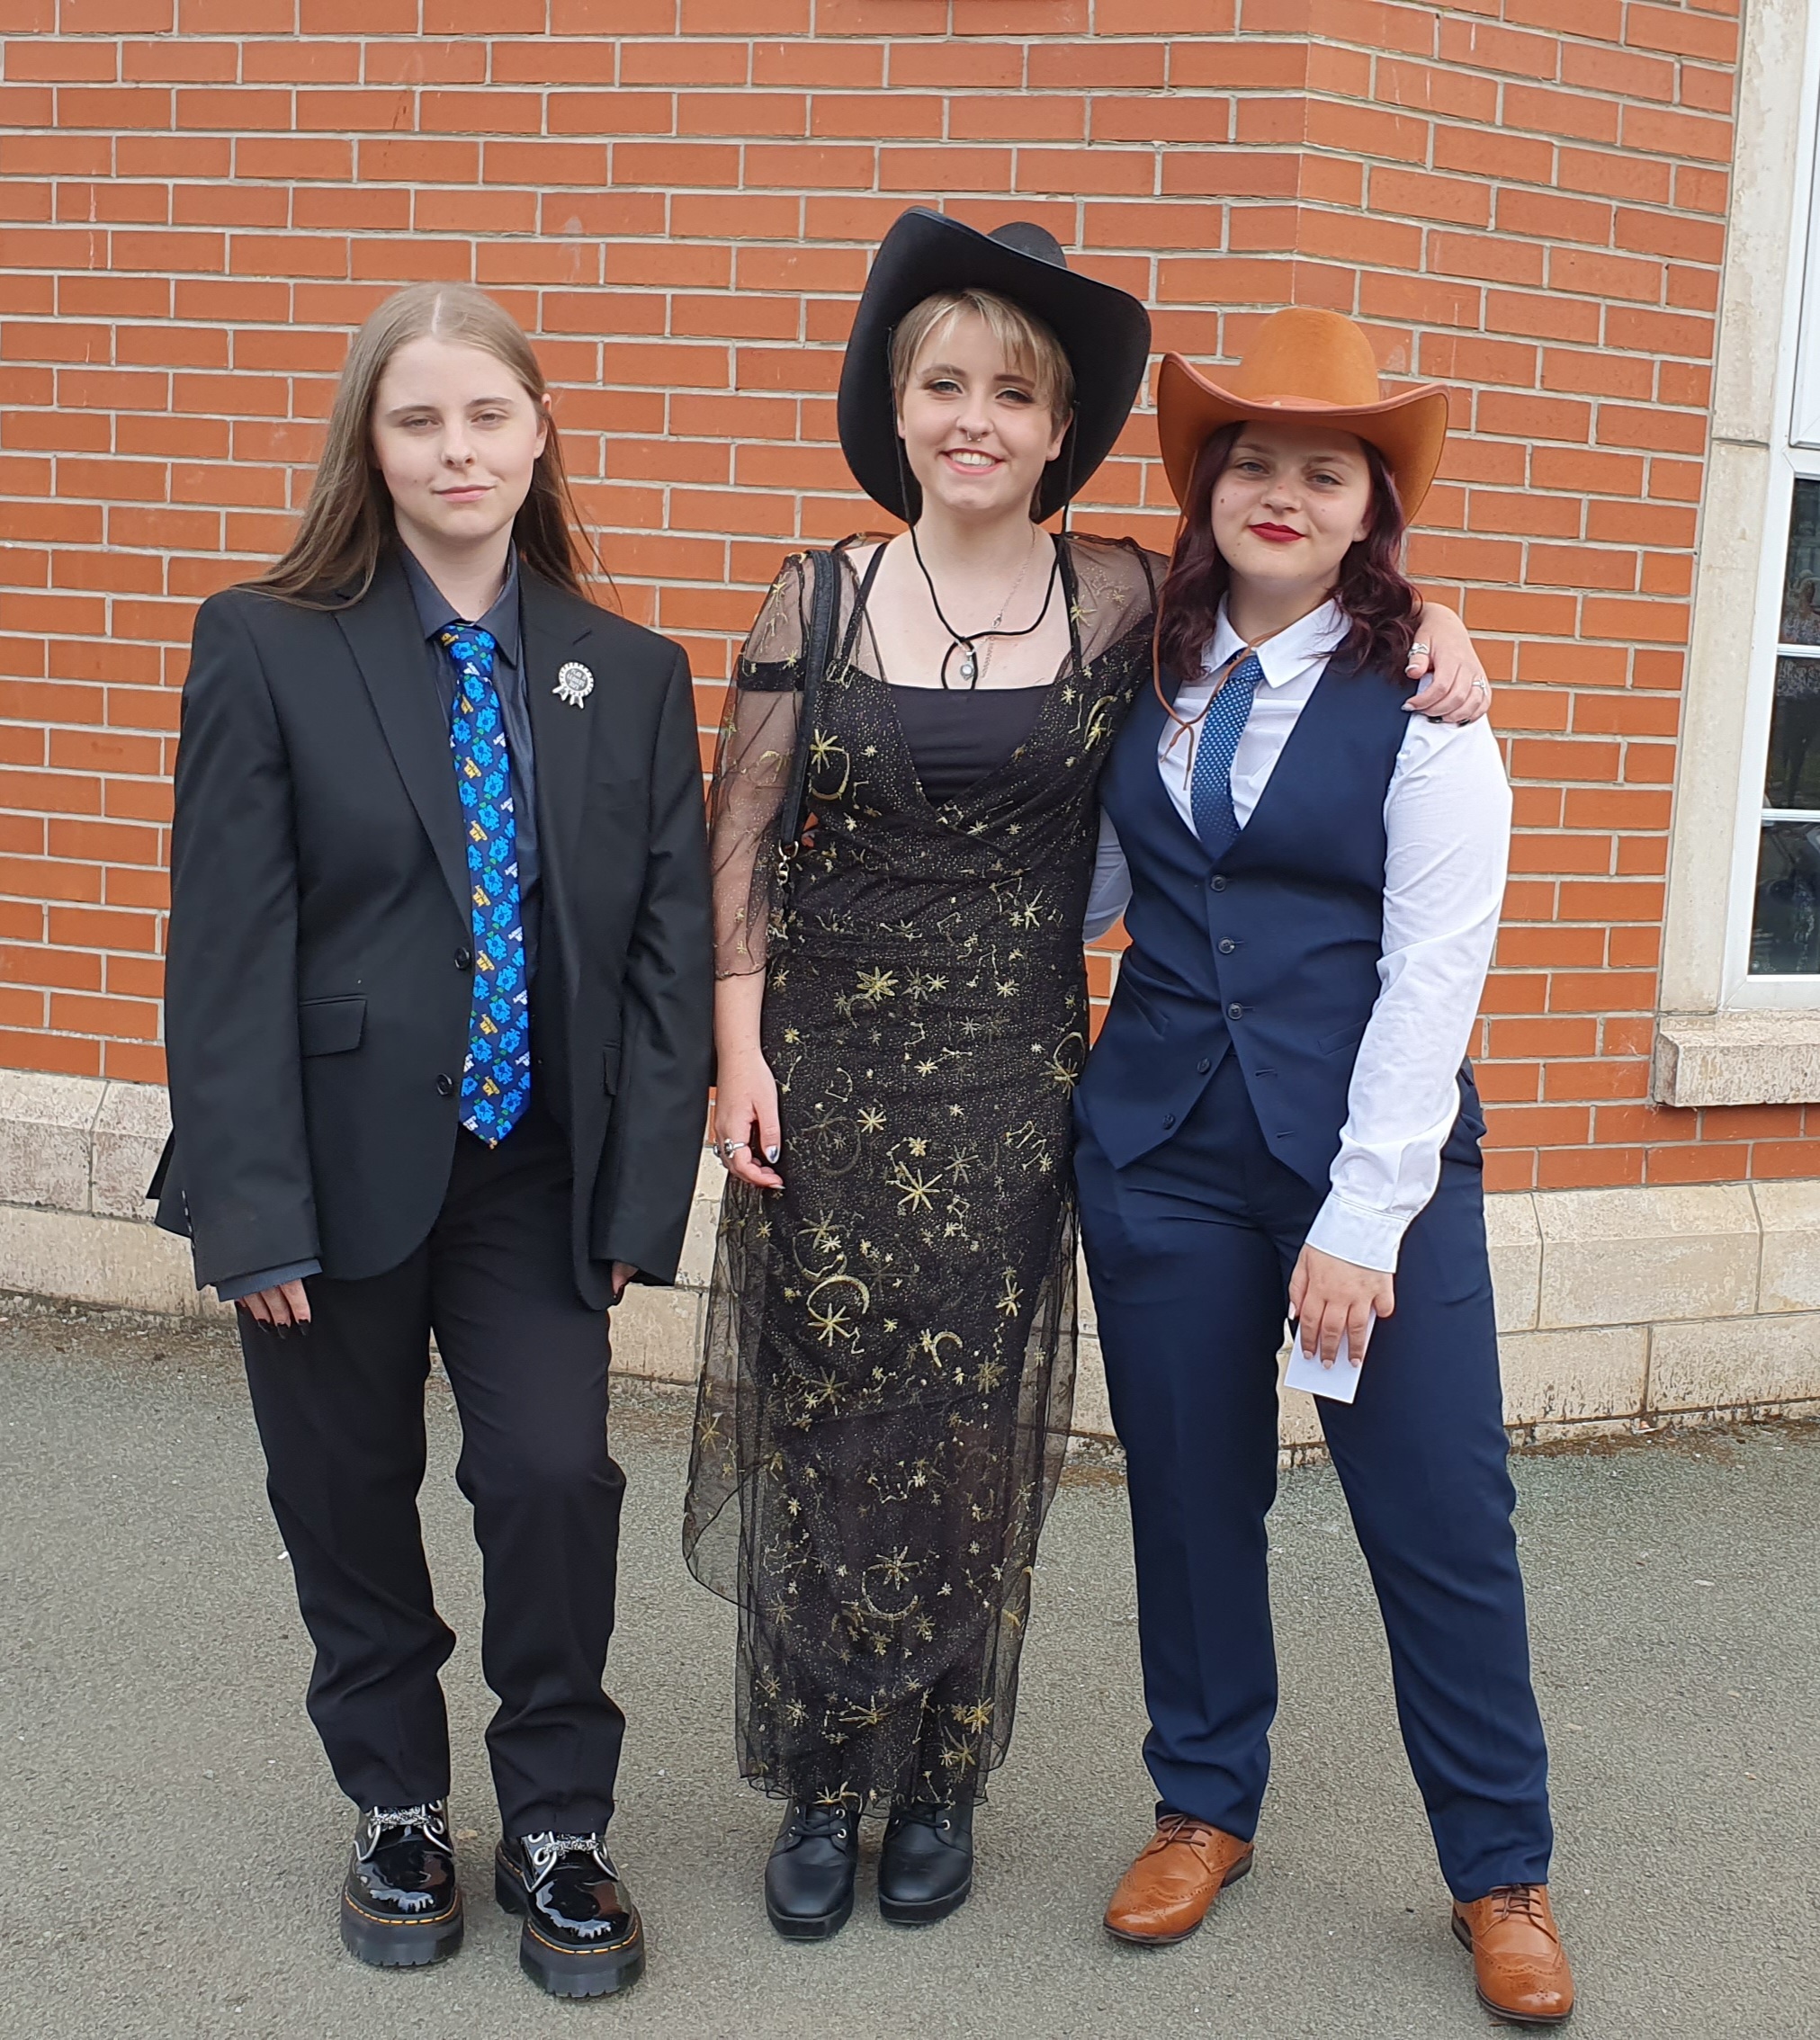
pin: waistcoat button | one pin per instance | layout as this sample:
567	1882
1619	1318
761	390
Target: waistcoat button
1203	1065
1235	1011
446	1087
1169	1119
1217	883
463	958
1227	945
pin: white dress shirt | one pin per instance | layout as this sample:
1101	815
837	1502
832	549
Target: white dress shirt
1446	820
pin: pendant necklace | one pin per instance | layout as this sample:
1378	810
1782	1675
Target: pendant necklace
966	643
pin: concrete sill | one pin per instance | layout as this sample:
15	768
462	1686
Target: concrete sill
1736	1059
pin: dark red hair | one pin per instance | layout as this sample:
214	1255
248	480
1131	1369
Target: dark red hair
1379	603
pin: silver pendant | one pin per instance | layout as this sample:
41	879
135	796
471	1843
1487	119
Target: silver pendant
574	685
969	672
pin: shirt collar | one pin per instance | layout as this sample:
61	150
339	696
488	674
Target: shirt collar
435	613
1289	654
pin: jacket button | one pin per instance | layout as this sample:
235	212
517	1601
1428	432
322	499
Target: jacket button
1169	1119
1235	1011
1227	945
464	959
446	1087
1217	883
1204	1065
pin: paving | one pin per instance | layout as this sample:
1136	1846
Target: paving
170	1842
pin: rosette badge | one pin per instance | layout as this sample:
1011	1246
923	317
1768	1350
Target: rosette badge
574	684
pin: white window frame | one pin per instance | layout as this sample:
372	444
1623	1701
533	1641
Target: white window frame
1724	1037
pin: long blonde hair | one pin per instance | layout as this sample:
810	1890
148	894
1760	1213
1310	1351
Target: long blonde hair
347	524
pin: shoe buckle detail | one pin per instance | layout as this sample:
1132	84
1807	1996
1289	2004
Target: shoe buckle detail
431	1821
544	1851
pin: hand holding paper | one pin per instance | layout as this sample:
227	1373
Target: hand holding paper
1335	1303
1338	1383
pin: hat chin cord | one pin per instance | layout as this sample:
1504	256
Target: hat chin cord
963	640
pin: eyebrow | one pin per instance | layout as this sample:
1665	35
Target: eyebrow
1327	453
949	367
425	404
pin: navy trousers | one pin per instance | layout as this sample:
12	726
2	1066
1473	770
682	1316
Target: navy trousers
1190	1250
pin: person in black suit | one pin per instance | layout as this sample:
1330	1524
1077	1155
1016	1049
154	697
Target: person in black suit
438	1014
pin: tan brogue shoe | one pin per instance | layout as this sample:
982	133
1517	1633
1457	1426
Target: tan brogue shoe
1171	1887
1519	1963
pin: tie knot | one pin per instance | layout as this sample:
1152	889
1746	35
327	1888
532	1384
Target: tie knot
471	648
1249	671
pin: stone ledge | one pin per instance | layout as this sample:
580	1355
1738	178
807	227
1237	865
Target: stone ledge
1766	1057
1617	1308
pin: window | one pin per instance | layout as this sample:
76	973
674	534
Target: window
1785	925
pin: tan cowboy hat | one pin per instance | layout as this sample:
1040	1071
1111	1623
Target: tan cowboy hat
1316	363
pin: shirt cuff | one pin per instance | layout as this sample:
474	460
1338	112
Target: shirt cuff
237	1286
1351	1232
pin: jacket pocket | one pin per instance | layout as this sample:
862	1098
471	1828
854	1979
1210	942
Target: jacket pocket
331	1027
1342	1038
609	1057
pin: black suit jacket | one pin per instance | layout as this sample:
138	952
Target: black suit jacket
319	978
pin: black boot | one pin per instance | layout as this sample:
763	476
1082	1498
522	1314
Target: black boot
582	1936
809	1879
927	1869
401	1906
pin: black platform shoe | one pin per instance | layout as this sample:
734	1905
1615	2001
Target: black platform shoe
582	1936
401	1906
927	1869
809	1879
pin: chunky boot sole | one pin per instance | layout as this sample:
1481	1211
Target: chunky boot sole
811	1926
409	1944
1463	1934
570	1972
924	1912
1241	1868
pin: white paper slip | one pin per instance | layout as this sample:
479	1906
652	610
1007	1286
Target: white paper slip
1338	1383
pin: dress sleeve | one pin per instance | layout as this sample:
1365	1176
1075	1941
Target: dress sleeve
752	774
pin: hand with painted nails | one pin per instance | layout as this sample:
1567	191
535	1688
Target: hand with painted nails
1455	687
282	1310
1328	1297
746	1125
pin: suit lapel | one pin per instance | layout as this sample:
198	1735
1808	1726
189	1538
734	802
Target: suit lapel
556	628
383	632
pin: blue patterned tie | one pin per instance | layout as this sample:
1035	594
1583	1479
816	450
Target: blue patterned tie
496	1080
1210	789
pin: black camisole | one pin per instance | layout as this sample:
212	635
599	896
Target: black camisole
955	738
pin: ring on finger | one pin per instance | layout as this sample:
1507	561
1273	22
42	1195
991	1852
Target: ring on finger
729	1148
1484	687
1418	649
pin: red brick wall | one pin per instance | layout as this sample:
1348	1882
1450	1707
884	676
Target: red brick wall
1523	198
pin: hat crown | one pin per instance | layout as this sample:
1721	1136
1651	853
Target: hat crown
1305	356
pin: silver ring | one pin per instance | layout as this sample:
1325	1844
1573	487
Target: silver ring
1418	650
1484	687
729	1148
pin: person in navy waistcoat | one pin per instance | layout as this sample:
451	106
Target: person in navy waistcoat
1279	1117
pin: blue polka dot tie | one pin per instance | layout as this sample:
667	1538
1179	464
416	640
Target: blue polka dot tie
496	1080
1210	788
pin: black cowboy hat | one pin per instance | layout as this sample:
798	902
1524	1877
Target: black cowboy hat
1104	331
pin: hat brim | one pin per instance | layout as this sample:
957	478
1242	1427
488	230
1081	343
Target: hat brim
1104	331
1410	430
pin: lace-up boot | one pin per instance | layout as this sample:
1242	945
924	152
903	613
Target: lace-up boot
1179	1871
809	1879
401	1906
582	1936
1518	1964
926	1869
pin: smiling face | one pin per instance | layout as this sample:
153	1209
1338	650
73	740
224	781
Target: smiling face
1291	501
976	434
456	436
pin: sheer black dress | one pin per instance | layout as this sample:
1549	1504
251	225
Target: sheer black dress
889	1351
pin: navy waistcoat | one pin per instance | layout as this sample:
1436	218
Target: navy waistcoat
1269	952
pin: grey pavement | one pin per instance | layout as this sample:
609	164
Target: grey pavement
170	1842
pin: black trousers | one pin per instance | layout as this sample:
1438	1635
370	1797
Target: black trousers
341	1416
